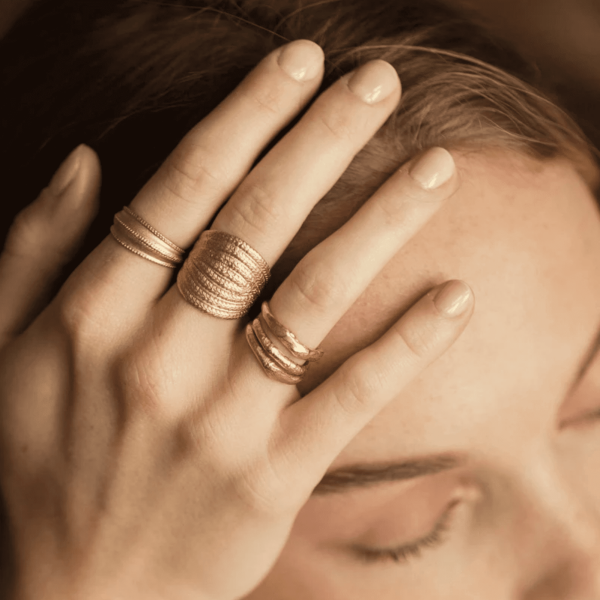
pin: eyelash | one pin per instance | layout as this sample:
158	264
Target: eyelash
434	539
414	550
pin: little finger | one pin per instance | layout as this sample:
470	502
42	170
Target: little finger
317	428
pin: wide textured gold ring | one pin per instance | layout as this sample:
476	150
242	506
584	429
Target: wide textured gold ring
261	335
223	275
139	237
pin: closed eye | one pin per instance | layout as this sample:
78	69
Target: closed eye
412	550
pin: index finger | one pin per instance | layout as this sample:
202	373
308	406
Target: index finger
205	168
213	158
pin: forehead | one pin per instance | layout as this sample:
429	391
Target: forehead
526	237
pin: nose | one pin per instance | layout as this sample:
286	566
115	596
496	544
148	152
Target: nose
566	526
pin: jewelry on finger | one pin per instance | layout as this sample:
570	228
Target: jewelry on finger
136	242
287	338
269	347
139	237
272	369
274	362
223	275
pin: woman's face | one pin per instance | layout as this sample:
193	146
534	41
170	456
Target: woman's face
493	453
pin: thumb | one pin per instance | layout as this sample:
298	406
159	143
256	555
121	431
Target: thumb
44	238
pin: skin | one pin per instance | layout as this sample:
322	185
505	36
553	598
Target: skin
131	465
526	237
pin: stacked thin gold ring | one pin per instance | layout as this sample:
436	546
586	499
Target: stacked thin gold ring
287	338
275	364
139	237
223	275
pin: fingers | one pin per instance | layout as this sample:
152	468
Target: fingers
327	281
200	174
44	237
270	206
330	278
204	170
317	428
215	156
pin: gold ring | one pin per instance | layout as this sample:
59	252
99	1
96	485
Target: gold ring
275	364
223	275
139	237
287	338
269	365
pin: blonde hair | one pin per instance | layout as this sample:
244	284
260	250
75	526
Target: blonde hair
171	63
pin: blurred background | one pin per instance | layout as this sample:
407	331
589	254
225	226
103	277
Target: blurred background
561	36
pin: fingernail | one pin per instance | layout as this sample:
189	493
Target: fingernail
433	169
453	299
66	173
374	81
301	60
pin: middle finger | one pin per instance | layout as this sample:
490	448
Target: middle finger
269	207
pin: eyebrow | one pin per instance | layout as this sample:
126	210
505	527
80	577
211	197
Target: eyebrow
369	474
363	475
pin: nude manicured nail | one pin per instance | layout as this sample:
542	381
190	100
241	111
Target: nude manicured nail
453	299
433	169
374	81
302	60
66	172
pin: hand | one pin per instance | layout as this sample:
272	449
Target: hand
145	454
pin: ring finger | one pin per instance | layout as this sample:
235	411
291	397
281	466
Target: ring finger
331	277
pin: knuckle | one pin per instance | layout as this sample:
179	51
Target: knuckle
187	175
359	387
77	314
338	123
268	100
255	208
394	214
421	337
315	286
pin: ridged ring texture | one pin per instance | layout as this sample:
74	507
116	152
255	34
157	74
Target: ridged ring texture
139	237
223	275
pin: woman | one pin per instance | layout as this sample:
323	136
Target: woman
156	445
